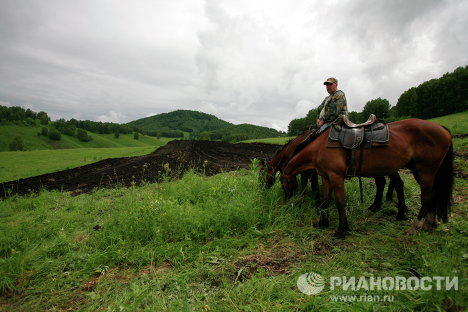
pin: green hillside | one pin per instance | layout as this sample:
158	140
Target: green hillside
23	129
33	141
180	120
198	125
241	132
457	123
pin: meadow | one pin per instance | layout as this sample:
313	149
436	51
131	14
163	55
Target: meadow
217	244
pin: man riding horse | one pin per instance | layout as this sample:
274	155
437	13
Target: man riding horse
332	109
333	106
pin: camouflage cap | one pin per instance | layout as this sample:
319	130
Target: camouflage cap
331	80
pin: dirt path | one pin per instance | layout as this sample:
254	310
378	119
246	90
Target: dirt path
171	160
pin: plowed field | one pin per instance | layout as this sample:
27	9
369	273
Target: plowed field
171	160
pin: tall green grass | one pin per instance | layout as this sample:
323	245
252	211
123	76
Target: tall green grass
213	244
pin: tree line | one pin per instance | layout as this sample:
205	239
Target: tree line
236	133
28	117
436	97
19	114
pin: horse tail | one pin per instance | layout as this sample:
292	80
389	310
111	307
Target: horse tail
443	186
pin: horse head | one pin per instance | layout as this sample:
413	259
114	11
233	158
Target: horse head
289	184
267	174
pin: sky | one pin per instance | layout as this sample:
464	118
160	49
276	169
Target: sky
245	61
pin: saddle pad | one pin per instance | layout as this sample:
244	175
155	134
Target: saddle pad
377	132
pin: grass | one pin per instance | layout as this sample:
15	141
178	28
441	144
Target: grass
280	140
16	165
457	123
215	244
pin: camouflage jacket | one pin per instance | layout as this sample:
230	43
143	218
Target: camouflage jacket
333	106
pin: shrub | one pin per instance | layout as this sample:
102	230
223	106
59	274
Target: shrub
82	135
17	144
44	131
136	135
29	122
54	134
43	117
68	130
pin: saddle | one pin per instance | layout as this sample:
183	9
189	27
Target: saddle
373	132
344	133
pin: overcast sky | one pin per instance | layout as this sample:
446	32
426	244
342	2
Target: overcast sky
244	61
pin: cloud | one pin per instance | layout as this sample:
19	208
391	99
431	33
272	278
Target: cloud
260	62
112	116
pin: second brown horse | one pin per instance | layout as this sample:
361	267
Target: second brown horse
423	147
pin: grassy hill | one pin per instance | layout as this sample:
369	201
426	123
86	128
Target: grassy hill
159	129
456	123
33	141
180	120
241	132
198	125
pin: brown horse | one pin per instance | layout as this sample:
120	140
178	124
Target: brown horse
280	159
422	146
283	154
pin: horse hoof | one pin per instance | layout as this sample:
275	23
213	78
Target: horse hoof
321	224
401	217
414	228
374	208
402	209
429	226
340	234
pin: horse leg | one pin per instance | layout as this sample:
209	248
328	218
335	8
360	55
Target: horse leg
377	204
426	216
338	186
322	209
398	184
428	205
315	187
305	179
391	188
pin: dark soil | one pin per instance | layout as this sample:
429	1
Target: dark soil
169	161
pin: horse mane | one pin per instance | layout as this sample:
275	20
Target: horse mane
304	130
282	147
311	137
279	150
